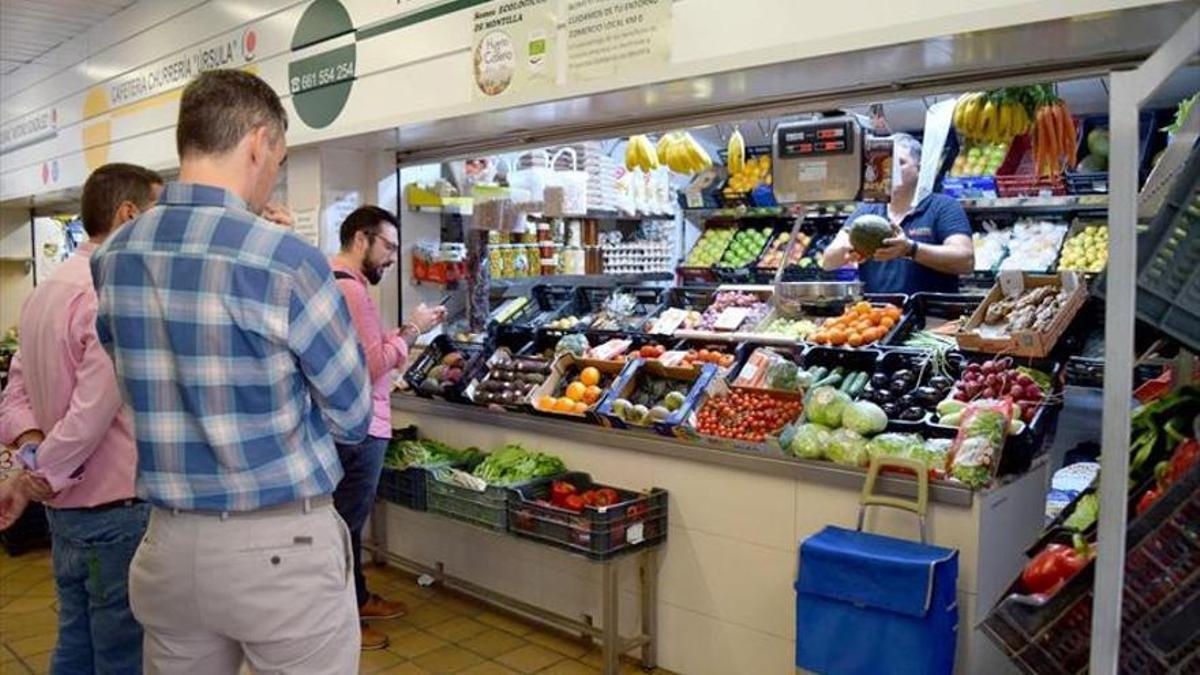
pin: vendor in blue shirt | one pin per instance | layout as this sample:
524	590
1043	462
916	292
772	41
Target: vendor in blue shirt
932	245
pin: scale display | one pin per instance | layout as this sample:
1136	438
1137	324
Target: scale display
819	160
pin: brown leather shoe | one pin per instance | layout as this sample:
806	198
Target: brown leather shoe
373	639
378	608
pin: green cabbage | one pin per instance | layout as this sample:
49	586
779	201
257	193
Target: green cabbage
825	406
907	446
864	417
848	448
576	343
809	441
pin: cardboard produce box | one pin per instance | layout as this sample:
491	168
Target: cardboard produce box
994	337
566	368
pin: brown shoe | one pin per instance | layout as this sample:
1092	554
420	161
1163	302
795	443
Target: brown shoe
378	608
373	639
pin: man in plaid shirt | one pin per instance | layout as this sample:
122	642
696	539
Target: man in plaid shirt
234	348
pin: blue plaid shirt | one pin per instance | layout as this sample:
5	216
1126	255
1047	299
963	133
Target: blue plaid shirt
233	346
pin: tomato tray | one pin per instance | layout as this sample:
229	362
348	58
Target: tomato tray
1160	612
638	520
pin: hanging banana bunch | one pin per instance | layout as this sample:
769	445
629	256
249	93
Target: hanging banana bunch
682	154
639	154
992	117
736	151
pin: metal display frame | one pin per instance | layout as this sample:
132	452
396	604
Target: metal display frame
1129	90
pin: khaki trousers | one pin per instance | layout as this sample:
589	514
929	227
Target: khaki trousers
272	588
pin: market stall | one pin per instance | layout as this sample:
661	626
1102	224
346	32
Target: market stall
753	388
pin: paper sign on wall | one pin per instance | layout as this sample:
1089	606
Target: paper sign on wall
306	225
607	37
512	47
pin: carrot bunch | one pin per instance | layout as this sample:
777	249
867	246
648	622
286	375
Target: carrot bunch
1054	142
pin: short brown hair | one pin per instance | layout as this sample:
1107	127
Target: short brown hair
367	219
110	186
220	107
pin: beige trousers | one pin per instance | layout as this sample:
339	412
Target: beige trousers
273	588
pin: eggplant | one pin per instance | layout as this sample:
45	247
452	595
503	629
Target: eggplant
890	409
908	401
898	386
902	373
884	396
927	396
880	380
941	383
912	414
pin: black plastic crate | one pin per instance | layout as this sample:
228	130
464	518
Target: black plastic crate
638	520
1160	613
487	509
648	299
1096	182
920	363
404	487
1020	450
473	354
863	359
926	310
1168	282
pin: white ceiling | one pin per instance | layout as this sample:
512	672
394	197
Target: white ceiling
30	29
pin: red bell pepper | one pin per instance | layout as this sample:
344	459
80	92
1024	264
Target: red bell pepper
1148	499
606	497
574	503
1054	565
1183	459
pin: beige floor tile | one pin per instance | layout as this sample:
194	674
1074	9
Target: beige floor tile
629	666
448	659
13	668
505	623
19	626
393	629
488	668
6	655
428	615
38	644
530	659
404	669
458	629
42	589
27	576
569	648
570	667
414	644
462	606
375	661
493	642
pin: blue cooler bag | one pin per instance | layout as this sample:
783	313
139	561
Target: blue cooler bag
866	603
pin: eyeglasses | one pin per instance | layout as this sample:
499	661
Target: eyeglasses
391	248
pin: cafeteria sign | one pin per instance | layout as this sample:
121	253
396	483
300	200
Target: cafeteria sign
512	47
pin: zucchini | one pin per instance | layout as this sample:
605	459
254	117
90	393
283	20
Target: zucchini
860	383
819	373
845	386
830	380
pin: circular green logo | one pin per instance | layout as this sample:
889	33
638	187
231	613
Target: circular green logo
320	83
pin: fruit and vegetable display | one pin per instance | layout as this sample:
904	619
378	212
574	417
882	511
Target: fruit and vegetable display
816	250
991	246
979	159
1054	566
774	255
723	300
621	311
1096	159
714	354
1170	471
836	428
753	172
575	396
792	329
905	391
746	415
1034	310
1034	246
568	322
513	464
575	344
1156	428
745	247
427	453
651	399
679	152
1000	115
447	373
995	379
868	232
1086	250
860	324
510	379
710	247
565	495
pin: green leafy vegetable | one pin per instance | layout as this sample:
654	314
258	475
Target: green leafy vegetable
427	453
809	441
1087	510
906	446
514	464
848	448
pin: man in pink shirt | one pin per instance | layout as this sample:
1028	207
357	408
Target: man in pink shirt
63	409
370	240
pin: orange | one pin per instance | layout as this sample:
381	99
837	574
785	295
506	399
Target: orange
893	311
581	408
887	322
546	403
592	394
575	391
564	405
855	340
589	377
837	337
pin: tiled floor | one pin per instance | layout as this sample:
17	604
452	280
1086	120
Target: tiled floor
443	633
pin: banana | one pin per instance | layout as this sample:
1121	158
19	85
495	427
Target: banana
1004	126
737	151
987	122
631	154
971	117
701	154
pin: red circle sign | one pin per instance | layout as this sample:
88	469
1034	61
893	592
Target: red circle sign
249	44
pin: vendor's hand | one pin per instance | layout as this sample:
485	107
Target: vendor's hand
279	214
426	318
895	246
12	501
35	488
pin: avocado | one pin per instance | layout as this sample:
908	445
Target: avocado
868	232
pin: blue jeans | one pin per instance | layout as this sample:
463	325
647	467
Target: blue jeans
355	495
91	552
